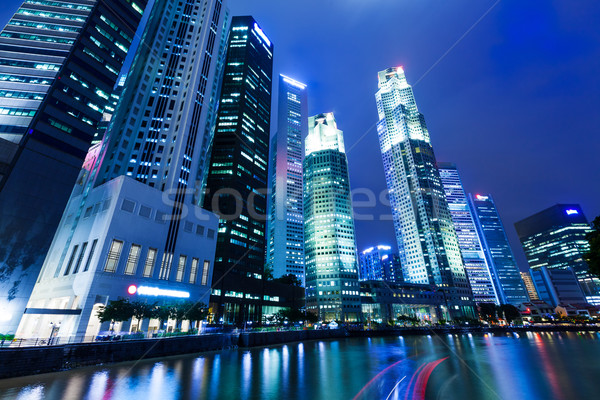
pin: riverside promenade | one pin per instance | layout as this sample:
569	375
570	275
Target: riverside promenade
24	361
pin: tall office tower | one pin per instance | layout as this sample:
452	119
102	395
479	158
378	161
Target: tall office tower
132	227
285	240
59	61
530	286
498	254
109	110
236	188
476	266
380	263
557	286
332	289
427	242
556	238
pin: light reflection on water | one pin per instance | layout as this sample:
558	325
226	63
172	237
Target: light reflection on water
506	366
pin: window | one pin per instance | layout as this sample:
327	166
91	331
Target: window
128	205
80	258
71	260
132	259
194	270
89	259
165	266
181	268
205	272
112	260
149	264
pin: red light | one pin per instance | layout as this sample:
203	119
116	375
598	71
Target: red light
132	289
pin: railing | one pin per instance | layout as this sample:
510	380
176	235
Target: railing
62	340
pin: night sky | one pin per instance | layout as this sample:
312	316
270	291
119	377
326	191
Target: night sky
514	103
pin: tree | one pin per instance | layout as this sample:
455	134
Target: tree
289	279
268	273
116	311
511	313
407	319
593	256
487	311
197	312
141	311
161	313
178	311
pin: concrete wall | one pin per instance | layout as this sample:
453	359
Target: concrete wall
36	360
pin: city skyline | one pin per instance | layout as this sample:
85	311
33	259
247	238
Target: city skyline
461	102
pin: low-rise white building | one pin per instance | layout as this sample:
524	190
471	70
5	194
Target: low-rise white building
111	244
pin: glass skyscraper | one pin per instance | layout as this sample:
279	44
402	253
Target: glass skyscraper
468	240
380	263
133	216
499	256
285	240
427	242
59	62
556	238
236	186
332	288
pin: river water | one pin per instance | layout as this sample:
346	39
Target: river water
561	366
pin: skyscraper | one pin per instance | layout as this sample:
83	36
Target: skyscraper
499	256
380	263
132	227
236	187
59	61
468	240
332	289
556	238
285	240
427	242
530	286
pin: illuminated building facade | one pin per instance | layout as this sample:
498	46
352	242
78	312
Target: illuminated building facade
427	242
499	256
380	263
556	238
557	286
468	240
236	187
530	286
285	240
332	289
133	216
59	61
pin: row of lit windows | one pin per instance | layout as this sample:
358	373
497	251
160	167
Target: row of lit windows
133	258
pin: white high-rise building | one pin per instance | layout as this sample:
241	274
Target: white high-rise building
427	241
332	288
133	228
285	241
477	268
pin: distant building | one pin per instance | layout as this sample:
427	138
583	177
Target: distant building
384	302
59	62
536	310
427	242
557	286
285	229
499	256
556	238
332	290
236	187
474	259
530	286
380	263
133	219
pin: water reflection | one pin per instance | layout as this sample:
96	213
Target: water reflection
507	366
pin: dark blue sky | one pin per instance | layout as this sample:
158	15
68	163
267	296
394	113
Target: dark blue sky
515	104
